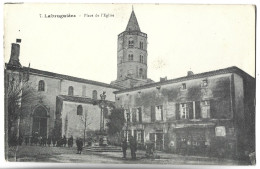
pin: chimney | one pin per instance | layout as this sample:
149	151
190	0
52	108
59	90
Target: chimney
189	73
15	52
163	79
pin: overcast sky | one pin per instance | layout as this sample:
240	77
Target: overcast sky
180	38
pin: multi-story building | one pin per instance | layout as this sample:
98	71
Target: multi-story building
211	112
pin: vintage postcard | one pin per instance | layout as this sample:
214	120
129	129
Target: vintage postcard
169	84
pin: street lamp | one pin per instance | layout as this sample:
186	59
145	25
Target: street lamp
102	105
127	120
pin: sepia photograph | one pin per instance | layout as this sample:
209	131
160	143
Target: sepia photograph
157	84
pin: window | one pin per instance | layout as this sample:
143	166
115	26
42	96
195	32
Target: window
127	115
183	111
204	83
141	45
130	57
79	110
131	43
158	113
94	94
84	91
141	73
139	136
70	93
139	114
205	109
141	59
41	86
183	86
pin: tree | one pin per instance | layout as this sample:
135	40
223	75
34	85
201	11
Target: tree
116	122
86	123
19	94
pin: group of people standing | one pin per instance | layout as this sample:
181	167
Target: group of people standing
132	145
43	141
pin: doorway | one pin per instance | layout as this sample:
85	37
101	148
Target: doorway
158	140
40	122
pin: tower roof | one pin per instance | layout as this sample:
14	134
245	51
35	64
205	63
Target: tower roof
132	23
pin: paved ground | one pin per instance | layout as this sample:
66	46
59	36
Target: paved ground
68	155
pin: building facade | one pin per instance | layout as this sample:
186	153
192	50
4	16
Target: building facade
211	113
51	91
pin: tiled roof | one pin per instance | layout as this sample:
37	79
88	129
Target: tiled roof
71	78
232	69
132	23
79	99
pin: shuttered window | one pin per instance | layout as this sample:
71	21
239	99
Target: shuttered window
205	109
177	111
159	113
152	113
134	115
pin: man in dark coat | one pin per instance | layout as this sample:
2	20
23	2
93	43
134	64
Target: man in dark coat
49	141
26	140
79	143
64	141
124	147
133	147
70	141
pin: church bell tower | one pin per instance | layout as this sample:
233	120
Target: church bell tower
131	55
132	51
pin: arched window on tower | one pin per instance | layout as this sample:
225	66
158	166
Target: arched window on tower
141	59
141	73
141	45
131	43
94	94
41	86
79	110
130	57
71	91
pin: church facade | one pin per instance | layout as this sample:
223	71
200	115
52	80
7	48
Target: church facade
211	112
60	102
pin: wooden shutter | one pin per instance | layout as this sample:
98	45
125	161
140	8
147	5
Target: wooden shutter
213	109
190	110
142	136
135	134
140	114
152	113
134	115
197	110
162	113
177	111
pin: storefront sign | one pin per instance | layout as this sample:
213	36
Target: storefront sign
220	131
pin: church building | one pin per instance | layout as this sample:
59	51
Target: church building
210	113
